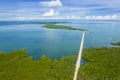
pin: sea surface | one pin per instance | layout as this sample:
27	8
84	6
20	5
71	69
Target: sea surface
54	43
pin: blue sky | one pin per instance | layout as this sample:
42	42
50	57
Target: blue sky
59	9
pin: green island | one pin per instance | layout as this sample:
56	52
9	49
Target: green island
54	26
115	43
102	64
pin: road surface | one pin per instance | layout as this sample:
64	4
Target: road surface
78	62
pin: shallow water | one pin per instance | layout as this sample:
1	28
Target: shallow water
56	43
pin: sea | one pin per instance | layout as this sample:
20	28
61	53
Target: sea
55	43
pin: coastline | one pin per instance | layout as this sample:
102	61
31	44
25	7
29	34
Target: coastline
63	68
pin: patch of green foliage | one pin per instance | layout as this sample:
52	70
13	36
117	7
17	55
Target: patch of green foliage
103	64
53	26
17	66
116	43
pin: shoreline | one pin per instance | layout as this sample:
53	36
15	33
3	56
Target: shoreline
95	69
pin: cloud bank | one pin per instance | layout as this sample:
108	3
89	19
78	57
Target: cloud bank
53	3
72	17
108	17
50	13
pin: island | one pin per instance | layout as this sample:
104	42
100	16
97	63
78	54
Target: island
115	43
102	64
54	26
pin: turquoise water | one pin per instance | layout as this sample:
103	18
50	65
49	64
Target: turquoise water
56	43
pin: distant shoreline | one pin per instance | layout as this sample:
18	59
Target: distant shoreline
115	43
53	26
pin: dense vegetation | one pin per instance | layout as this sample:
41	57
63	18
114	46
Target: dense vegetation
103	64
53	26
116	43
17	66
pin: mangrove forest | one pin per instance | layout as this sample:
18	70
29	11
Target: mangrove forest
102	64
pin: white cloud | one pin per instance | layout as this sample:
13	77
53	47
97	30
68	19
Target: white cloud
50	13
64	17
73	17
108	17
52	3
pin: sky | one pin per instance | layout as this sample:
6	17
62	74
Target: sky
59	9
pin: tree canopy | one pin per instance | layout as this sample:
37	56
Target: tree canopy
102	64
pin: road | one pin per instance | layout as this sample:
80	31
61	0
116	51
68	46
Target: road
78	62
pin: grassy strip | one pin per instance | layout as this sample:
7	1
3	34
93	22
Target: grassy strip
53	26
116	43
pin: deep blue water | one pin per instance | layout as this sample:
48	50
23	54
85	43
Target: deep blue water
56	43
